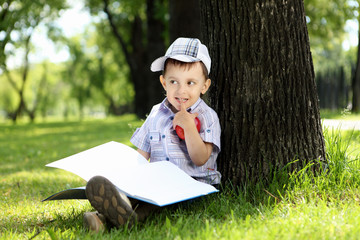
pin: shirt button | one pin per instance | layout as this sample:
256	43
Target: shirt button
167	159
151	137
208	131
171	118
163	136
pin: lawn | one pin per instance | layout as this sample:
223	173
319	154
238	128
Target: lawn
298	205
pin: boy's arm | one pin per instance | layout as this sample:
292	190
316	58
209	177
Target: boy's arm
198	150
146	155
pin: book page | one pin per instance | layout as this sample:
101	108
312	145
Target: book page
160	183
101	160
168	184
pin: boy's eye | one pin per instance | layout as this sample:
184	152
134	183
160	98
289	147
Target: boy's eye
191	83
173	82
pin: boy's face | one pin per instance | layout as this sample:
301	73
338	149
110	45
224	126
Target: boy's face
184	85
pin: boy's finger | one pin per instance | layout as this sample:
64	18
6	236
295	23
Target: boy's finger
182	106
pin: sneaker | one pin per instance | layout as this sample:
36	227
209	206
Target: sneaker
107	200
94	221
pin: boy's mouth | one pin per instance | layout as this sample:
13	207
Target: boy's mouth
181	100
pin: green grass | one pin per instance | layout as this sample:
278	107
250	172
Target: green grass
303	205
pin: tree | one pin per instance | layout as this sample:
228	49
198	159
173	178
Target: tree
109	73
356	78
356	83
75	74
263	86
184	19
326	21
20	18
138	28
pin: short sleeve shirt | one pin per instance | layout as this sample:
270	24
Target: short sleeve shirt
157	137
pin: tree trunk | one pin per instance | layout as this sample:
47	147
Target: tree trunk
22	105
184	19
146	84
263	86
356	81
155	49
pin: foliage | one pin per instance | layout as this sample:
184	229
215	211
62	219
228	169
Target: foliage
44	88
108	71
101	52
18	17
326	20
18	22
326	26
97	72
125	9
299	205
94	78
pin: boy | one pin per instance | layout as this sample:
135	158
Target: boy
185	67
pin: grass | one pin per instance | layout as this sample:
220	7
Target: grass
303	206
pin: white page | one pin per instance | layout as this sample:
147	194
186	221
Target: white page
111	156
160	183
164	183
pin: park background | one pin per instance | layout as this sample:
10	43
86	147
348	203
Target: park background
54	103
65	60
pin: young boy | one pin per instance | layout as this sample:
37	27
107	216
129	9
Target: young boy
186	67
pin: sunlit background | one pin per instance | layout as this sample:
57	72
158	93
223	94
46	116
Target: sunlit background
76	68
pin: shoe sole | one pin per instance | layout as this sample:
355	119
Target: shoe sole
105	198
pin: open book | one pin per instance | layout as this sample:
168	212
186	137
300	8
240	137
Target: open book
160	183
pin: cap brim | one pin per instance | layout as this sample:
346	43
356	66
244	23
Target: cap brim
158	64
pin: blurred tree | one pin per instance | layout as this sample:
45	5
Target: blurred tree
263	88
97	73
76	72
42	93
18	21
138	27
326	21
109	73
356	78
46	89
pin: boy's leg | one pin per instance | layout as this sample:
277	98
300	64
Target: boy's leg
143	209
107	200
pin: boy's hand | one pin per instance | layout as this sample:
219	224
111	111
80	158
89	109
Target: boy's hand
198	150
184	119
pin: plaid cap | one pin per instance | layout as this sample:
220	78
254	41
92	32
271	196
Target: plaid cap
184	50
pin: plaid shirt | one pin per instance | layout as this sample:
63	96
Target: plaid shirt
157	137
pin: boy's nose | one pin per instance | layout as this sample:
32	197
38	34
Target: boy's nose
181	88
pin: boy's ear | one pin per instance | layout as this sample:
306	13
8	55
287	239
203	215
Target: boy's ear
206	86
163	82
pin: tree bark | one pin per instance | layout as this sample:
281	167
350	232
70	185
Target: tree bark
184	19
263	86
